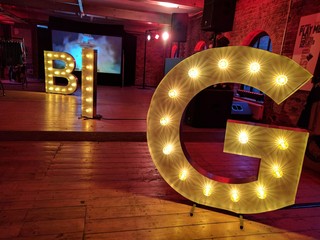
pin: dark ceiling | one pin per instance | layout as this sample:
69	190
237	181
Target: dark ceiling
136	16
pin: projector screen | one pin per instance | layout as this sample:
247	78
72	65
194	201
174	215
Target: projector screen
109	49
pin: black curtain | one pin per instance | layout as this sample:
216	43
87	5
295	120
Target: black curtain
11	53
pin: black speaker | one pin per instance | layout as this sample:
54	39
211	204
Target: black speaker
179	27
7	34
241	111
218	15
210	108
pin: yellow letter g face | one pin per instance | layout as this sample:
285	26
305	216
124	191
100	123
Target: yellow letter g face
281	150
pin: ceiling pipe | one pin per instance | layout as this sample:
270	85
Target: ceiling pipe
11	16
81	8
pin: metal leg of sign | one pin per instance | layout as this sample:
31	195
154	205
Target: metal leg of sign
192	209
241	221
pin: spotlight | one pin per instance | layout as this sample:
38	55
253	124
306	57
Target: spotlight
165	36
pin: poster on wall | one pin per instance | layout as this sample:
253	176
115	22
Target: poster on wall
307	46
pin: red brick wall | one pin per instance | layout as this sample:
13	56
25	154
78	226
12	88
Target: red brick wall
156	52
288	112
260	15
278	18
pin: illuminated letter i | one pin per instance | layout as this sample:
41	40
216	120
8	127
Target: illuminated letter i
89	83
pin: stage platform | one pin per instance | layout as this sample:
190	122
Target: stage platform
37	115
31	114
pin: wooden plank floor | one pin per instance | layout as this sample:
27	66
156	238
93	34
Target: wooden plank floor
111	189
122	109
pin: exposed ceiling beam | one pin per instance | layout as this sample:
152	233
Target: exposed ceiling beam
115	13
10	18
80	7
139	15
48	5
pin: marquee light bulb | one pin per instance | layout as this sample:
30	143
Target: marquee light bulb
183	174
173	93
223	64
254	67
167	149
261	192
234	195
193	73
282	143
277	171
243	137
281	80
164	121
207	190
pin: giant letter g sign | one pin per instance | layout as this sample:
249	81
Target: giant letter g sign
281	150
